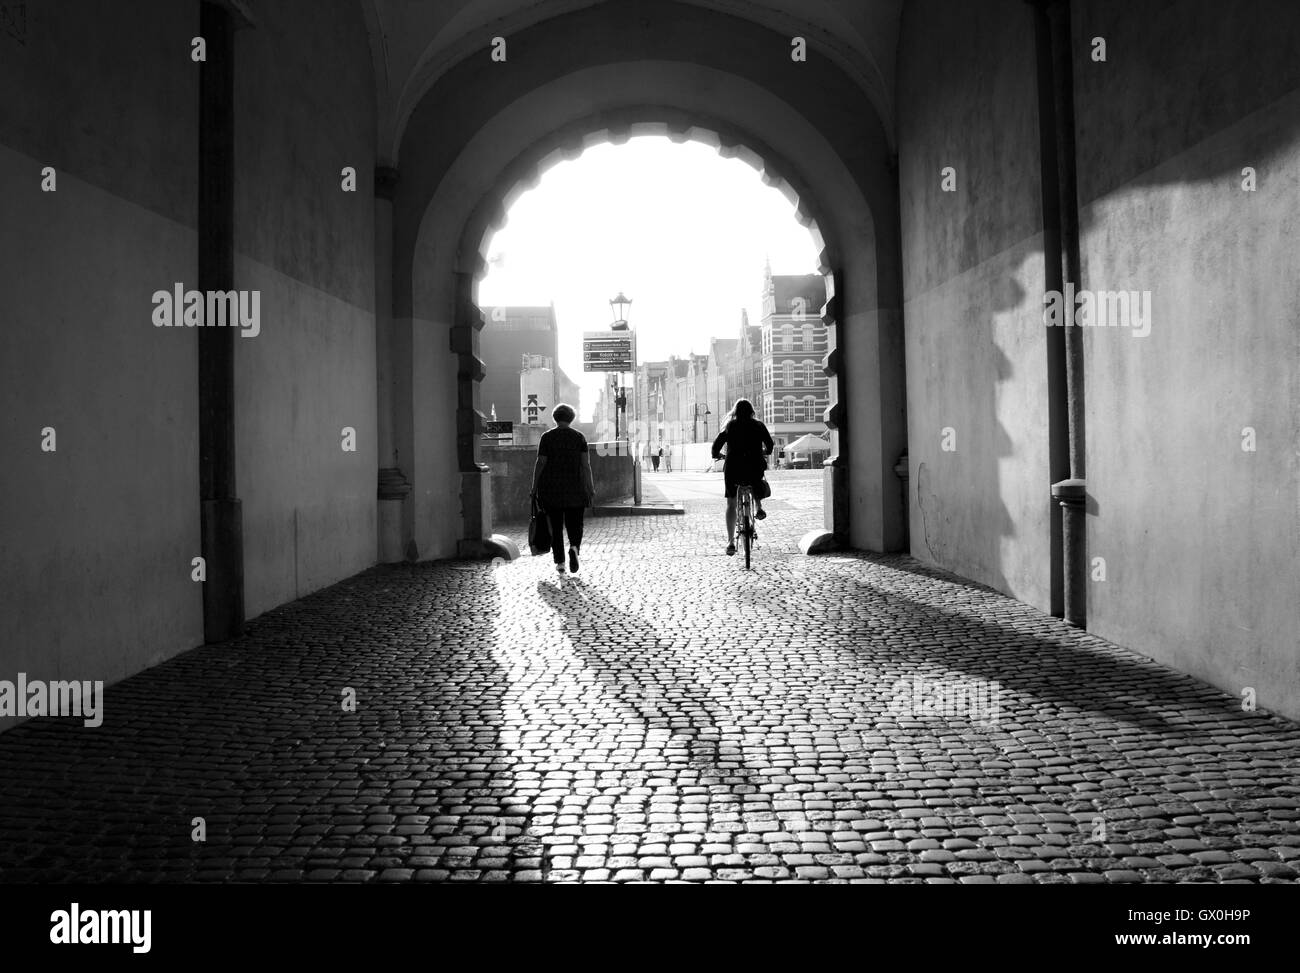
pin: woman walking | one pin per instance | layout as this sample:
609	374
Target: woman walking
563	484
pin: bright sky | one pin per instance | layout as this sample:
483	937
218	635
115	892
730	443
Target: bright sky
677	228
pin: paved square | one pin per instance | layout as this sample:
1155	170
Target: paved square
665	715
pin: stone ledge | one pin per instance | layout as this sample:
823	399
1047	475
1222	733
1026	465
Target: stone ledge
630	509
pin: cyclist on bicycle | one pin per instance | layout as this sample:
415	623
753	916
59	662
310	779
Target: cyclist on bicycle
748	445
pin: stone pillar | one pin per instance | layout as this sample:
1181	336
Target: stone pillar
835	472
394	488
220	512
476	539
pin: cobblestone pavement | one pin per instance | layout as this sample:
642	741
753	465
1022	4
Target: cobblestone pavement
664	715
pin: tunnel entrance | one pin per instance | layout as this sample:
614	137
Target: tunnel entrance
449	204
695	237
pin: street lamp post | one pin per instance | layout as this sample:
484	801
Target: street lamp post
618	392
619	306
695	427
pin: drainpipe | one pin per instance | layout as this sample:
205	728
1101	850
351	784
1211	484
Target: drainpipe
394	488
1062	266
220	513
901	471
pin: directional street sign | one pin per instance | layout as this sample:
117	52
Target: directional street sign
608	351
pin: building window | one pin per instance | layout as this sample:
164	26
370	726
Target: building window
787	337
810	407
807	337
788	403
809	374
787	373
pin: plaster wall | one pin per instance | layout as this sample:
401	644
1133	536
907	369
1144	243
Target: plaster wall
973	284
96	537
305	110
1200	538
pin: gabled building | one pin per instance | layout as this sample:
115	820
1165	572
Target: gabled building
795	390
718	396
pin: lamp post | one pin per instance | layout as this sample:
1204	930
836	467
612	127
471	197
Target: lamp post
695	428
619	306
618	392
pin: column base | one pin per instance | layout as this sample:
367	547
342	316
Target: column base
819	542
488	549
835	500
393	491
221	531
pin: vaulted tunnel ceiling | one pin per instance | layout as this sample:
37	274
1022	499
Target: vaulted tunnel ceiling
413	42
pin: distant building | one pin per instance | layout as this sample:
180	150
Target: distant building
513	342
718	395
795	391
567	390
650	409
776	365
744	372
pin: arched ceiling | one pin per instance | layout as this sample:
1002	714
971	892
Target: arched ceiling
413	42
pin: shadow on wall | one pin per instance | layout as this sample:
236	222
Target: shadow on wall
1237	61
981	551
1042	662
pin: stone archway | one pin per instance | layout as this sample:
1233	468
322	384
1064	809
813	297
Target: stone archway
568	143
442	222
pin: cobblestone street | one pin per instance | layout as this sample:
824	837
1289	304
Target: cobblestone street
664	715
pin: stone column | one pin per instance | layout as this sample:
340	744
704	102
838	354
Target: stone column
475	476
394	488
835	472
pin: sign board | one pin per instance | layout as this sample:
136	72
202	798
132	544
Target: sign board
533	410
608	351
499	427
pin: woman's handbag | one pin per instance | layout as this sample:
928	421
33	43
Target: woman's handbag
539	530
764	489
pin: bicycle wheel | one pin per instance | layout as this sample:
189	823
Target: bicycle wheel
747	524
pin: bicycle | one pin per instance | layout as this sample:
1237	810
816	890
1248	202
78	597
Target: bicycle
745	506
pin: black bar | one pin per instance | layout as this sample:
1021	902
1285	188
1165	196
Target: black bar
239	922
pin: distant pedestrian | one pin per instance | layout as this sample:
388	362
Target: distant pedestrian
656	458
563	484
668	460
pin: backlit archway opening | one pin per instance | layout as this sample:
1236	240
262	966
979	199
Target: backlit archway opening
724	268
